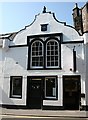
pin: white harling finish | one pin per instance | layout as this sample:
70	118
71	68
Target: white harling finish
13	61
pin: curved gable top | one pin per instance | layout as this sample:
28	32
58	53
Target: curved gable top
53	26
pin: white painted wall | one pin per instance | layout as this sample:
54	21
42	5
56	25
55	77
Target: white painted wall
69	34
1	76
15	64
86	64
15	59
6	93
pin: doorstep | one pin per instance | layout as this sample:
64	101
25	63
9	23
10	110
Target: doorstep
44	113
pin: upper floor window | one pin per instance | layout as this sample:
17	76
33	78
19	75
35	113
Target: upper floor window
44	27
52	54
44	54
37	55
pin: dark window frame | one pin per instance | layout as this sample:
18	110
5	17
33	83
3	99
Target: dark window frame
11	87
43	85
44	27
31	39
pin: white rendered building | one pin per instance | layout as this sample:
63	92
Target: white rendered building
44	66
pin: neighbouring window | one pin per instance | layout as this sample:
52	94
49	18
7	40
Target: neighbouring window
37	55
52	54
16	87
51	87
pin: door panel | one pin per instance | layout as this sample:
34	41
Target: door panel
71	92
34	96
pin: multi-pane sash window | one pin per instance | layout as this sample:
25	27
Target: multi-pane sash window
37	55
50	87
52	54
44	54
16	87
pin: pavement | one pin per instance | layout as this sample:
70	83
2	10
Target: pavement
43	113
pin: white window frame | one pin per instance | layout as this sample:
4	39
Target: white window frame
52	55
52	97
11	93
38	55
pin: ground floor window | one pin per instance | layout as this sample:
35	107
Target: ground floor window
16	87
50	87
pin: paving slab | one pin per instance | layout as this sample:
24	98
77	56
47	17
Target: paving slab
49	113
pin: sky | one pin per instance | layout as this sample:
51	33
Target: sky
14	16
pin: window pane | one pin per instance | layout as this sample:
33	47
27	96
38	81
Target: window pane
52	43
56	63
48	63
37	54
48	58
56	52
52	58
37	48
40	48
56	58
41	63
33	63
16	86
52	47
48	47
52	64
52	53
56	46
40	53
37	61
48	52
50	87
44	27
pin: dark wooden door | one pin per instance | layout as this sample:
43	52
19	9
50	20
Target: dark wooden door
71	92
34	96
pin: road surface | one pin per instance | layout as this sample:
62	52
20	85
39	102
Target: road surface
9	117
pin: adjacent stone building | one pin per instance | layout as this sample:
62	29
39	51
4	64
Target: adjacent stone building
45	64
